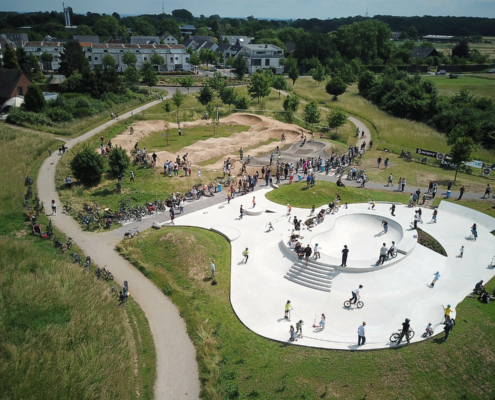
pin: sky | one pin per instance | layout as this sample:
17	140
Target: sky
278	9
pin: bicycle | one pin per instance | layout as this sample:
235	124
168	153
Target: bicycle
104	273
76	258
348	303
67	208
427	334
395	336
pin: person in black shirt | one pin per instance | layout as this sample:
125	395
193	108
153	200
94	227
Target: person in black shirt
307	253
345	252
405	330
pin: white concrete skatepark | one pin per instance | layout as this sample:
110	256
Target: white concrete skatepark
397	290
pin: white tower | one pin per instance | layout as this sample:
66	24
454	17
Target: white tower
66	14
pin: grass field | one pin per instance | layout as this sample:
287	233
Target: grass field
477	86
63	335
156	142
236	363
299	195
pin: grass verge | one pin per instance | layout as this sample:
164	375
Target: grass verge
429	241
236	363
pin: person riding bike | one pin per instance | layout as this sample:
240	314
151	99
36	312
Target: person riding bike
355	294
392	250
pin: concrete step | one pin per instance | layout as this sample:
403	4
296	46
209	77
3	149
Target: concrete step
319	267
311	273
310	280
303	283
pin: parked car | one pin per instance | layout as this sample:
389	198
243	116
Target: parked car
213	69
441	72
492	71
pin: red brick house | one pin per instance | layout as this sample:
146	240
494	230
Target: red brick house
12	83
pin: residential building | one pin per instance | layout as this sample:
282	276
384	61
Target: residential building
262	56
111	39
187	29
395	36
201	39
424	52
197	45
145	40
12	83
89	38
439	38
236	40
18	38
168	39
175	55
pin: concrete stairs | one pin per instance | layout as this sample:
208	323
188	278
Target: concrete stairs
315	275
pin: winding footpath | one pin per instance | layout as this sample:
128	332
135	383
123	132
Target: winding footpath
177	369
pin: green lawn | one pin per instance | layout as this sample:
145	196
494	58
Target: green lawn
157	142
63	336
477	86
236	363
299	195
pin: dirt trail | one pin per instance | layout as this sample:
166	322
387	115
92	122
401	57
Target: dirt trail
261	129
177	369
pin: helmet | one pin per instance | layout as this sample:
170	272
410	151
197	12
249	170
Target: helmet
288	301
287	203
448	305
317	245
407	320
372	199
301	321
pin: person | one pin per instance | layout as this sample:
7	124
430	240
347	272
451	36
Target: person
403	183
462	252
405	331
270	227
312	211
474	232
383	254
212	267
132	176
416	219
372	204
49	152
340	183
54	208
289	209
378	161
385	226
254	202
242	212
429	328
392	250
283	136
292	334
448	328
288	307
245	253
447	312
461	192
364	180
362	334
488	191
420	215
316	251
172	215
386	162
393	209
345	253
399	186
390	179
299	326
181	206
241	153
355	294
435	213
323	321
436	277
307	253
479	288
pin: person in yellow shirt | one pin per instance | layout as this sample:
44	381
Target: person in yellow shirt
245	253
448	310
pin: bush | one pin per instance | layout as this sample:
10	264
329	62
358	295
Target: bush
20	117
82	102
58	114
87	166
118	160
242	103
34	100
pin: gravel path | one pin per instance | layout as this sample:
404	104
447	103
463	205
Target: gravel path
177	369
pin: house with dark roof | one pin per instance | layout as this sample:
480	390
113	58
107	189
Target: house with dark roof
202	38
221	49
424	52
111	39
236	40
189	43
18	38
86	38
145	40
187	29
168	39
12	83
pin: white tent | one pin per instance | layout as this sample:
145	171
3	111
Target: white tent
13	102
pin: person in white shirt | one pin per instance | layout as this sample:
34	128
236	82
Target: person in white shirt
316	251
355	294
362	334
383	254
393	249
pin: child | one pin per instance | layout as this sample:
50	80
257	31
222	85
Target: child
270	227
435	278
448	310
372	204
292	334
429	328
228	197
462	252
312	211
254	202
289	209
435	213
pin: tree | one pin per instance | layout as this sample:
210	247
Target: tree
177	99
118	160
241	103
73	59
365	83
201	31
293	74
318	74
87	166
240	67
259	87
33	99
228	96
10	58
412	32
149	75
312	113
157	59
83	30
336	119
217	83
291	103
194	59
47	59
336	87
107	26
279	83
462	147
108	61
129	59
171	26
205	95
183	14
187	82
132	75
461	49
34	66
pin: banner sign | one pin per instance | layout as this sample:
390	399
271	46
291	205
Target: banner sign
427	153
475	164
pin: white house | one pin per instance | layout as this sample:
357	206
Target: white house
262	56
168	39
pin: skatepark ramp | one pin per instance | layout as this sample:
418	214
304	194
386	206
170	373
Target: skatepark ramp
314	275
